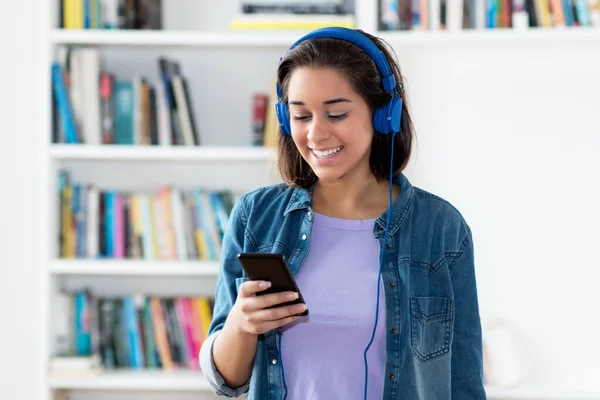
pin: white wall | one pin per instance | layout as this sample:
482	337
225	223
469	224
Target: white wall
19	297
510	134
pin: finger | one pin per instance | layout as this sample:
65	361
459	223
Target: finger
269	300
278	313
267	326
249	288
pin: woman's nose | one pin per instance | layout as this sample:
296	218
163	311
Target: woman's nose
318	130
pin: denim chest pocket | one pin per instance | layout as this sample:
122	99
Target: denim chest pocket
431	323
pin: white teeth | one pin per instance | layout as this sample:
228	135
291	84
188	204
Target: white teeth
327	153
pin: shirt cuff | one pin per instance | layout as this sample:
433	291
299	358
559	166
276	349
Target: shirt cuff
214	378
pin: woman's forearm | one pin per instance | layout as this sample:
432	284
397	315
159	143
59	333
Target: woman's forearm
233	352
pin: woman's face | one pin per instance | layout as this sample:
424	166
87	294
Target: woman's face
331	124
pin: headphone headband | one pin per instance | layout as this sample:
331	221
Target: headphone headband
386	119
361	41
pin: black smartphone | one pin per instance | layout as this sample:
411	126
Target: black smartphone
271	267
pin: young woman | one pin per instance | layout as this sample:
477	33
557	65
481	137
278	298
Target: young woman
386	269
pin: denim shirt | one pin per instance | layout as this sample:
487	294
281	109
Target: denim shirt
433	328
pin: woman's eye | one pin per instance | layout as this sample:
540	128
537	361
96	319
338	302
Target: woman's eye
338	116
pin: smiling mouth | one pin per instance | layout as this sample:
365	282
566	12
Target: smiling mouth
327	153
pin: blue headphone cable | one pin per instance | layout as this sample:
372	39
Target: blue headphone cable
387	226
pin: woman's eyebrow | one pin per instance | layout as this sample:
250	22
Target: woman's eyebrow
332	101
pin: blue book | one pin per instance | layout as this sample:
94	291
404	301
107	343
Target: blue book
83	341
124	112
109	215
133	333
64	106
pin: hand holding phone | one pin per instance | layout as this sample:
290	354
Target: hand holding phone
270	298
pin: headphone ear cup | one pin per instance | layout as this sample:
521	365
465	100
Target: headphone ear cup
284	119
393	110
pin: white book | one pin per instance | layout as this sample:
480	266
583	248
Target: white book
454	16
137	110
110	14
183	111
434	15
163	117
181	239
92	221
90	95
76	92
159	223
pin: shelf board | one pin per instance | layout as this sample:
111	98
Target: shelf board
490	35
538	392
134	268
286	38
173	38
145	380
133	380
159	153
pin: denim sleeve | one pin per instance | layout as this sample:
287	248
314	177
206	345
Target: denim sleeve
225	296
212	375
467	358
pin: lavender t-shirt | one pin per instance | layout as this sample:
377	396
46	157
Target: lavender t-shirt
322	353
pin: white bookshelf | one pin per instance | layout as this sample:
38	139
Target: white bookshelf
134	268
173	39
175	381
199	166
161	153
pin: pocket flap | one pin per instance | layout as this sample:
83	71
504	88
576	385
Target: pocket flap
431	308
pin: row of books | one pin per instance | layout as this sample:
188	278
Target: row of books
93	106
170	224
132	331
451	15
110	14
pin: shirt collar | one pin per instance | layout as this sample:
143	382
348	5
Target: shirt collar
302	198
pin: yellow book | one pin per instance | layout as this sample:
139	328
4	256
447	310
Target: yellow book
543	11
137	226
67	224
271	122
201	243
203	307
153	231
73	14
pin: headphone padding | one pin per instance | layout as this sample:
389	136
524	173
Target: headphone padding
283	118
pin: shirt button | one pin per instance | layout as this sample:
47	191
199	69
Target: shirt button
388	246
308	214
379	227
274	361
393	330
391	376
304	237
392	284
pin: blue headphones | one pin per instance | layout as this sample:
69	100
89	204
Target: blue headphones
385	119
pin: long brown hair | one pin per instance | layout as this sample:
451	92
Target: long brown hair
364	77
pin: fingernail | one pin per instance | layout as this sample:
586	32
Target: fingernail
265	284
292	296
300	307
